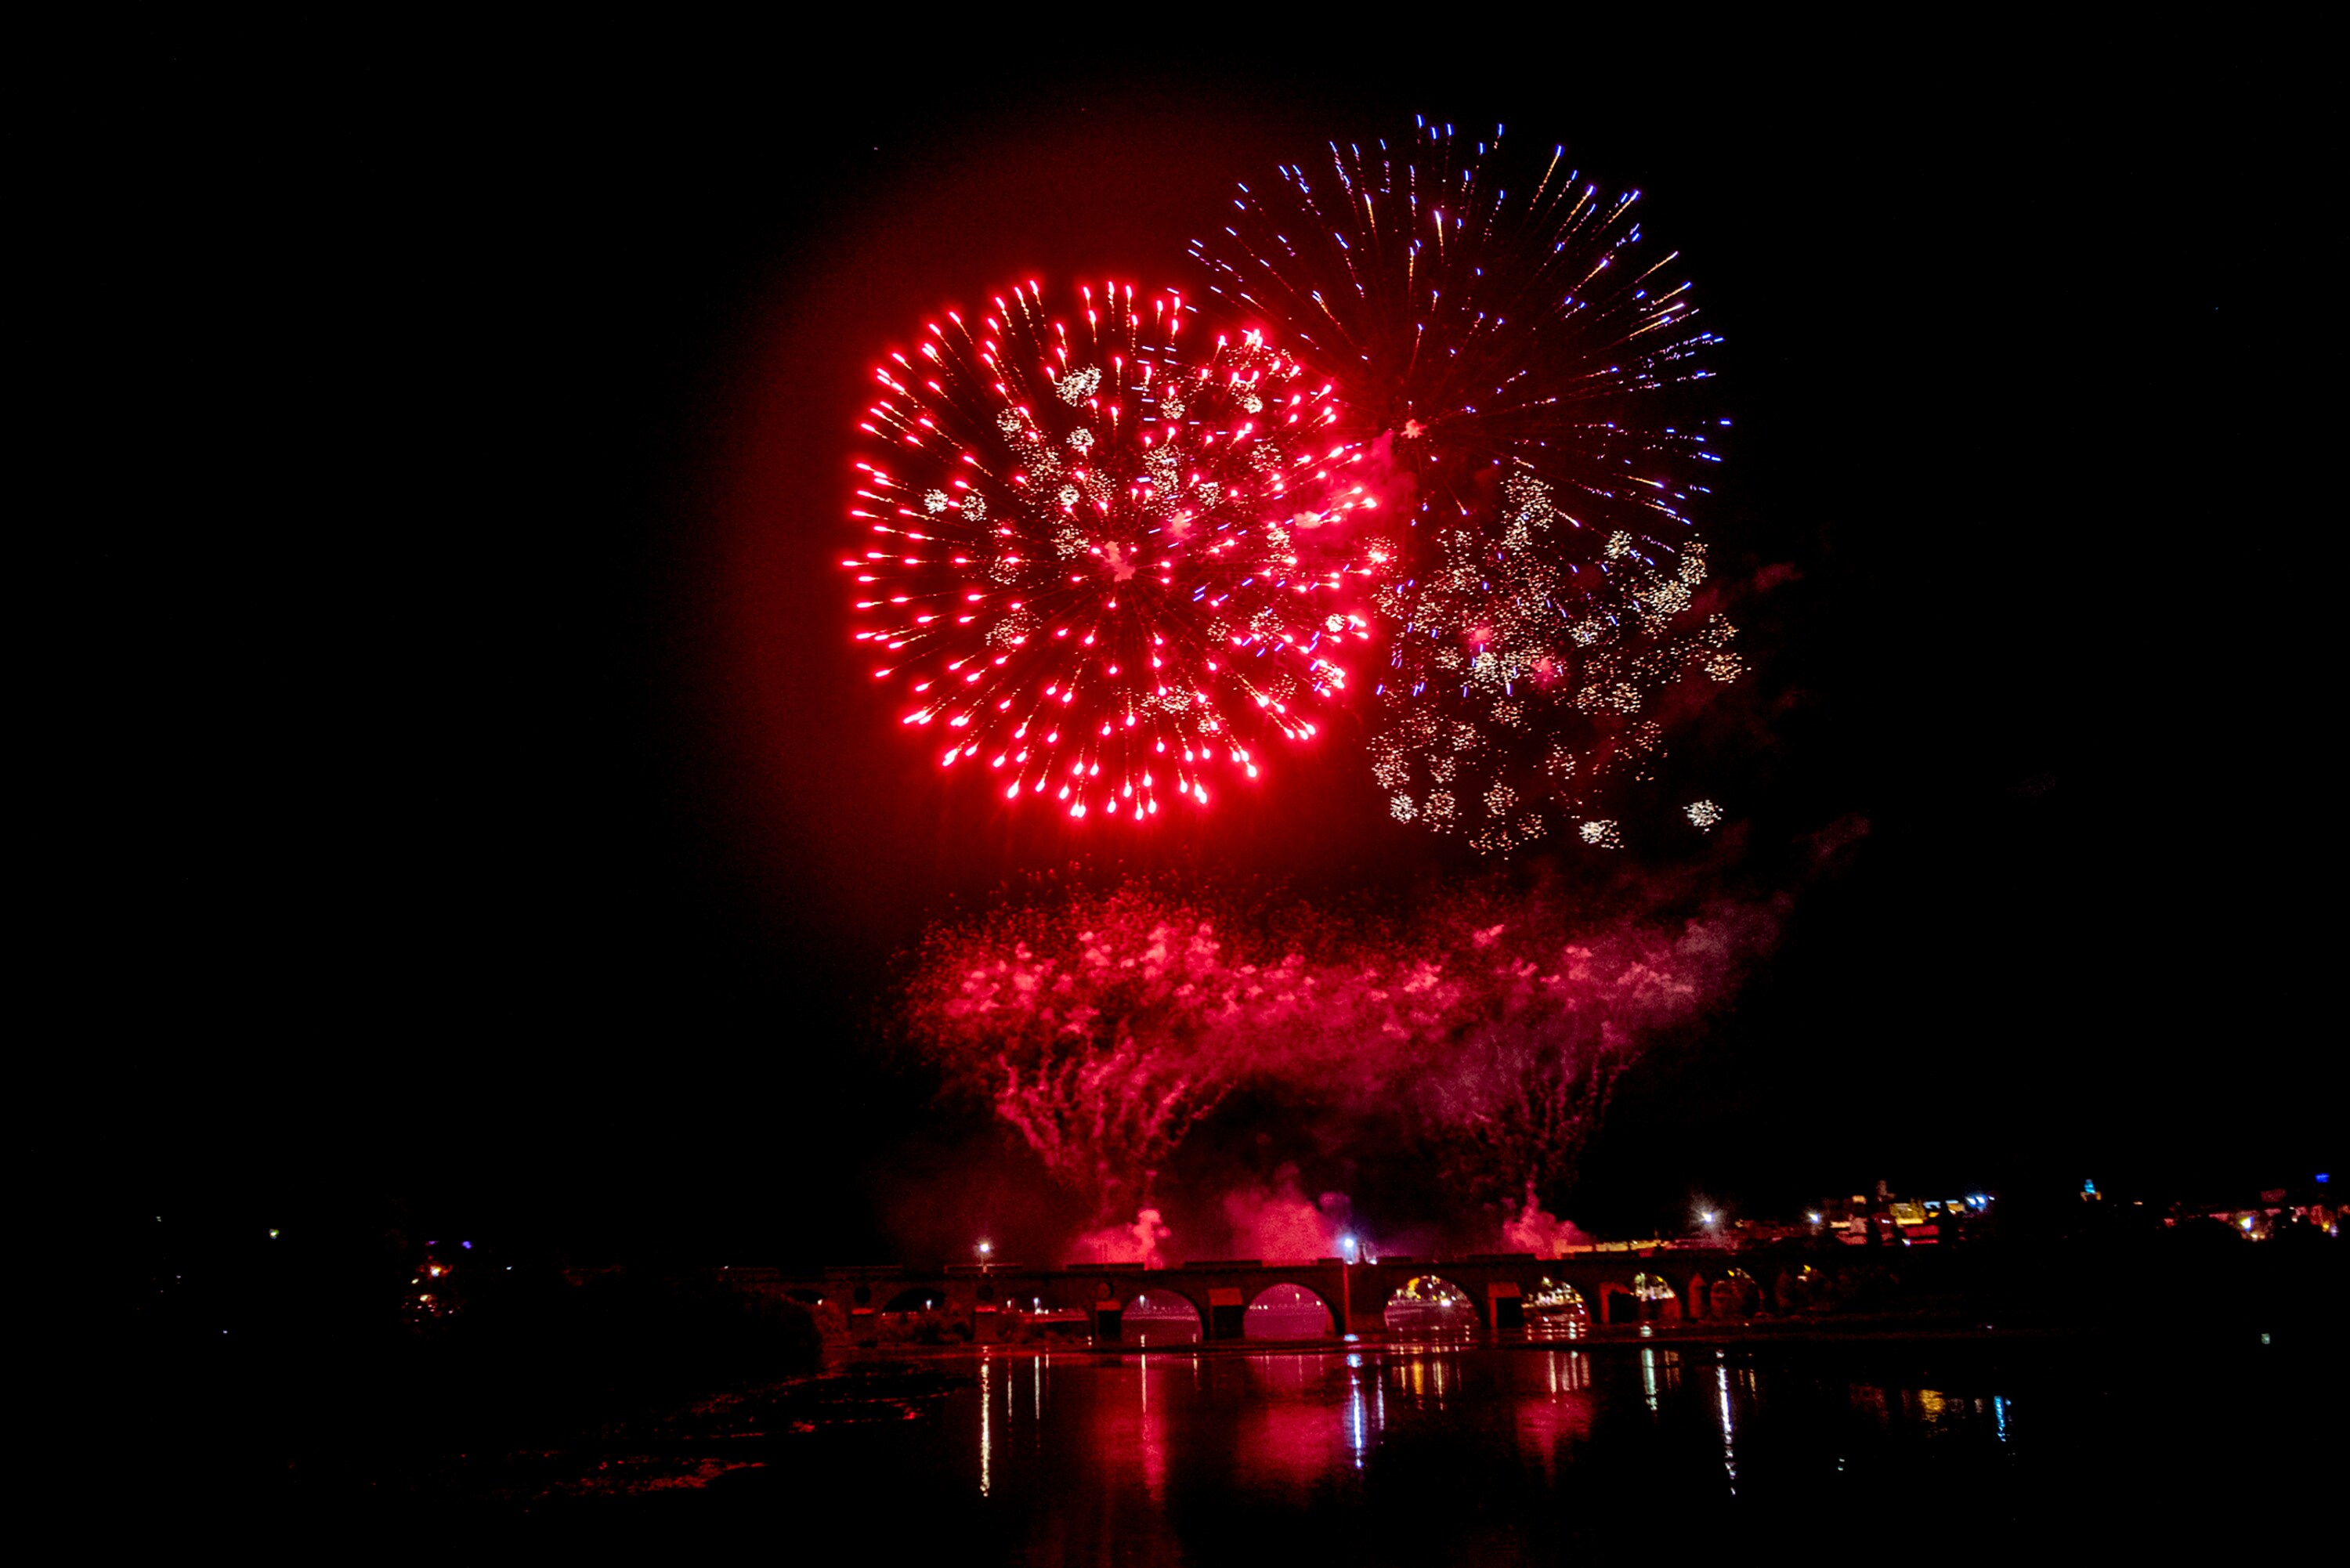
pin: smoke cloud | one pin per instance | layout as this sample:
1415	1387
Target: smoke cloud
1135	1243
1281	1225
1479	1034
1537	1230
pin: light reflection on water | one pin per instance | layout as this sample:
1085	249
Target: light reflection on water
1729	1445
1286	1424
1173	1454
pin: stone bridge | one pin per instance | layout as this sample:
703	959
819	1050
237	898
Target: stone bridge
1221	1289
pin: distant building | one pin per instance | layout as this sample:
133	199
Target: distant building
2268	1212
1887	1219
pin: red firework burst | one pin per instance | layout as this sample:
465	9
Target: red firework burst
1106	570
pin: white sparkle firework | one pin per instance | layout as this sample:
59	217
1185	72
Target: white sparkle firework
1502	329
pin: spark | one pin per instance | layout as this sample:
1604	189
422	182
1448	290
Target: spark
1529	374
1083	475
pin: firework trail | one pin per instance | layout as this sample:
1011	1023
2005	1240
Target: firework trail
1487	1029
1503	330
1089	1027
1107	572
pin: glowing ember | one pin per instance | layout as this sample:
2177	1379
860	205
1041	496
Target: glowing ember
1107	573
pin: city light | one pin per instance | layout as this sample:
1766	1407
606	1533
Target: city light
1346	1245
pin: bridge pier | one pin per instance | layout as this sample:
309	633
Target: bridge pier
1505	1310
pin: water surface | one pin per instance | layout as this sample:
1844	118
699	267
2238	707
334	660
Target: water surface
1516	1453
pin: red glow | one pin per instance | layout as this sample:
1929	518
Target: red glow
1212	518
1104	1028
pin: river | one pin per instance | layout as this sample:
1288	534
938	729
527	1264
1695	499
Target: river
1485	1453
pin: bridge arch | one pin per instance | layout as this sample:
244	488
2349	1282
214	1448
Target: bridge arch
1557	1309
1794	1289
921	1298
1287	1310
1735	1294
1648	1298
1429	1307
1160	1316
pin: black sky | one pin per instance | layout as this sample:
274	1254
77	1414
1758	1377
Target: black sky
494	820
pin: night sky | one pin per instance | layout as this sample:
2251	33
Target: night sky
496	827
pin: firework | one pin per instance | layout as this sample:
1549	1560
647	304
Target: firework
1501	331
1087	1027
1487	1027
1108	570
